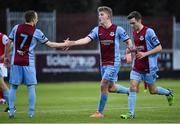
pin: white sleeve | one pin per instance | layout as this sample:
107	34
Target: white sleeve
5	39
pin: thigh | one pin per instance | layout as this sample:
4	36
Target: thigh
111	73
150	78
152	87
16	75
135	76
102	68
29	75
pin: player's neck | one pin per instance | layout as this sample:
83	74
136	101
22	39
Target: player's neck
107	24
140	28
29	23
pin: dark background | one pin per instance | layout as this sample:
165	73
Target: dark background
81	16
120	7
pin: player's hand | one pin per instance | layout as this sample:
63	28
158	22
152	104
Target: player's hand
67	45
141	55
128	58
68	42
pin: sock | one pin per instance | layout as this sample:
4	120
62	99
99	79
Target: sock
131	102
6	95
162	91
122	89
32	99
12	98
102	102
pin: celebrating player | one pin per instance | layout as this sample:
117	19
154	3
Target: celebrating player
145	63
108	35
25	37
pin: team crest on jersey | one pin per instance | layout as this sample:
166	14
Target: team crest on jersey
141	38
111	34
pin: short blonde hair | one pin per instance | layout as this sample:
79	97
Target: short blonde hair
105	9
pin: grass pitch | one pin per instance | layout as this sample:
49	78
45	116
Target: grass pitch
74	102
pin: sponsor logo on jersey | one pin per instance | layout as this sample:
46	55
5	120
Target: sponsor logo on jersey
106	42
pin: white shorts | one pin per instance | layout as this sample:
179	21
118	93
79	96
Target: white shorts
3	70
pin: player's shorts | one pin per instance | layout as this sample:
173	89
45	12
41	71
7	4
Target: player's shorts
149	78
22	75
110	73
3	70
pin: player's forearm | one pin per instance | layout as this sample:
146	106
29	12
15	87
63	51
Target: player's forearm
157	49
82	41
55	45
129	45
7	50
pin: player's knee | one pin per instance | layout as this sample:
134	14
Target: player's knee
104	86
111	89
134	88
152	92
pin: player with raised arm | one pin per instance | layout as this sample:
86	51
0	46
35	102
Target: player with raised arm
145	66
22	70
109	36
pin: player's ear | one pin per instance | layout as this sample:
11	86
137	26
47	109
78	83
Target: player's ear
139	20
34	21
109	17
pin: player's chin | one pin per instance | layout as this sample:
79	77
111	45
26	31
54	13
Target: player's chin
101	22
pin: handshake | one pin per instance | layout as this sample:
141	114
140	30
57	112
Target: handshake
68	44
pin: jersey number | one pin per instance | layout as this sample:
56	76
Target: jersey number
24	36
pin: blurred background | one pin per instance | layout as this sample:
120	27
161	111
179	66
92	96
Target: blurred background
59	19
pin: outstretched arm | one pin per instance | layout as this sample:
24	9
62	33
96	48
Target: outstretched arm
81	41
55	44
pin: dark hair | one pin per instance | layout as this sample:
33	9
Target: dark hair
106	9
134	14
30	15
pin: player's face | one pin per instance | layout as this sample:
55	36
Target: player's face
103	17
135	23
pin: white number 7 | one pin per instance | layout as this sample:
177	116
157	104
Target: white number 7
24	40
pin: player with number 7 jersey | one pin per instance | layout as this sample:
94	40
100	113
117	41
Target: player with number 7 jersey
25	38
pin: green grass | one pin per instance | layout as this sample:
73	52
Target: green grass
74	102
